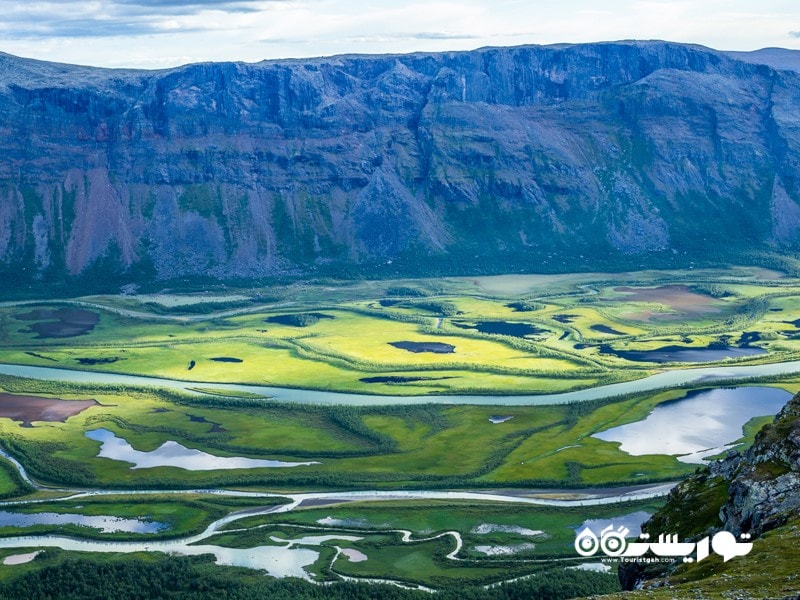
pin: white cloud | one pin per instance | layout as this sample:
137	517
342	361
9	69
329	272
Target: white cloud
157	33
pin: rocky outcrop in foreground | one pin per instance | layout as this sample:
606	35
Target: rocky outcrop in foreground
765	481
754	492
555	158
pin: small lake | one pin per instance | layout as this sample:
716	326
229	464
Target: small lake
298	319
503	328
105	523
400	379
60	323
417	347
605	329
697	425
277	561
633	521
173	454
668	354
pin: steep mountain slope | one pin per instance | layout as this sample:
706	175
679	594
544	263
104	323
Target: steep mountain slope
777	58
536	158
757	492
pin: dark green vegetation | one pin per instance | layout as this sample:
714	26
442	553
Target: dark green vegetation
58	576
768	571
11	484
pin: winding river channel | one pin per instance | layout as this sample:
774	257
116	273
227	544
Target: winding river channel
666	379
292	557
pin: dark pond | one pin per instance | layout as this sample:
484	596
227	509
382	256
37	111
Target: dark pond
35	355
417	347
399	379
667	354
698	425
98	361
215	427
298	319
605	329
748	337
503	328
227	359
565	318
59	323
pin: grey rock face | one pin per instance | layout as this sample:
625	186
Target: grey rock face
765	481
760	491
531	155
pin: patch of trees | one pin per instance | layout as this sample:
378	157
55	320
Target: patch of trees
437	307
524	306
21	487
198	308
42	462
404	291
196	578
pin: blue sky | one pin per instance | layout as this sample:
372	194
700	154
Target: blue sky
163	33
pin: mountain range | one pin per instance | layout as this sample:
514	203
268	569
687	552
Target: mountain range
535	158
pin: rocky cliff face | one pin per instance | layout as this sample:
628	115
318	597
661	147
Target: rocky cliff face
529	157
755	492
764	488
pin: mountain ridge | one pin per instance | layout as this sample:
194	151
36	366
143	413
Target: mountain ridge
527	158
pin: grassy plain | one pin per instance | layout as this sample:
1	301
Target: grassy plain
540	334
342	334
434	446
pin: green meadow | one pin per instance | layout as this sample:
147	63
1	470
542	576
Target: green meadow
486	336
499	335
492	335
405	446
